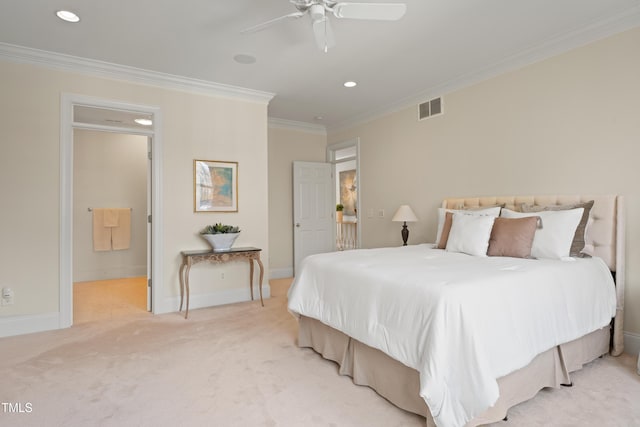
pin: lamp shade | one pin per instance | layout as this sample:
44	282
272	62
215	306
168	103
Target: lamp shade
404	214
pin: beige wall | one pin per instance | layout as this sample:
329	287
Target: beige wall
194	126
567	125
285	147
109	171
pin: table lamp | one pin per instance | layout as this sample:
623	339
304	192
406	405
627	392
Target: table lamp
404	214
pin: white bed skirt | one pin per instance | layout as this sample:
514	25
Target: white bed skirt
400	384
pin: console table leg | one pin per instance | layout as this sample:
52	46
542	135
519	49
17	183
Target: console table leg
251	277
186	282
261	276
181	284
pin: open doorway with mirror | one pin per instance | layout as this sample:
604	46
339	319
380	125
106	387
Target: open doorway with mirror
344	157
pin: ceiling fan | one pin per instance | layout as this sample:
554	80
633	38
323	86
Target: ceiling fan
319	10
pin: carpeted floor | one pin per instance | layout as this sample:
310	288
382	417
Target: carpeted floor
238	365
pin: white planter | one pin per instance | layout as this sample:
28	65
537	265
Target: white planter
221	241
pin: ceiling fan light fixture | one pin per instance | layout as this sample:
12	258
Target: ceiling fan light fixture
68	16
350	84
316	11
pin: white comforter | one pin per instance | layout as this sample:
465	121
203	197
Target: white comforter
460	321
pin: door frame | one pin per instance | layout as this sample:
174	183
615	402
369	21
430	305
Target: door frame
331	158
67	125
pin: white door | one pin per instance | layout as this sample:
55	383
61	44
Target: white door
149	228
313	210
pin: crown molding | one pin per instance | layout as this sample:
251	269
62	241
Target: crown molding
276	123
557	45
59	61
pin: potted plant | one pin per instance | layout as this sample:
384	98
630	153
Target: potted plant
220	236
339	209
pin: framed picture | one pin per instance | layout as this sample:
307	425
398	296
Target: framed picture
215	186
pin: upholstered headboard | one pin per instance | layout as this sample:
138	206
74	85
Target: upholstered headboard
604	236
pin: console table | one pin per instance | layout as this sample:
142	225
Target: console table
190	258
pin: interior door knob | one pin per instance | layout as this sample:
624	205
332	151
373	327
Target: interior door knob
297	224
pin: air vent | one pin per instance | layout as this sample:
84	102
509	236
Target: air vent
431	108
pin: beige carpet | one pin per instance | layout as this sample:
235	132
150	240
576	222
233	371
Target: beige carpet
238	365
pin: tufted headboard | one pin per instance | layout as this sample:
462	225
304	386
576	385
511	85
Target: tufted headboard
604	236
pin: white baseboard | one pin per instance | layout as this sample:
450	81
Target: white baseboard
281	273
631	343
27	324
20	325
230	296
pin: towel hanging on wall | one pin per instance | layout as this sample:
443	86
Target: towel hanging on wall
111	228
121	234
101	234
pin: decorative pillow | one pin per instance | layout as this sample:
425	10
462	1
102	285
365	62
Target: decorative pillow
444	237
512	237
470	234
492	211
553	240
578	238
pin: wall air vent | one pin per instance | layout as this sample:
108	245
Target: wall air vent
431	108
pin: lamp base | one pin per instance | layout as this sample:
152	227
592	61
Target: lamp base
405	234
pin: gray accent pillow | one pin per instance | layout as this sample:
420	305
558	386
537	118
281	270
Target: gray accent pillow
578	239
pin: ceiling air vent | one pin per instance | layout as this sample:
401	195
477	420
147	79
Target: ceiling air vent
430	108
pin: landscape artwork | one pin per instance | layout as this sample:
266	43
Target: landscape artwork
215	186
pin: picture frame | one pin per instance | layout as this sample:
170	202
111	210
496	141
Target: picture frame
215	186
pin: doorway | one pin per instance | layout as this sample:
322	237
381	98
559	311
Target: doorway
316	192
79	114
346	176
110	172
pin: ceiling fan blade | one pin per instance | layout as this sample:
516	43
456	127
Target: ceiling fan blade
324	34
255	28
375	11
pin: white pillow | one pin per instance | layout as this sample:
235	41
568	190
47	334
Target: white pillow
553	240
470	234
442	212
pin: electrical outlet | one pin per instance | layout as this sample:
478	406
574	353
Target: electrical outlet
222	275
7	296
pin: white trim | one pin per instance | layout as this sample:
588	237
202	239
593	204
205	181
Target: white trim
631	343
59	61
20	325
116	129
67	102
211	299
623	21
281	273
276	123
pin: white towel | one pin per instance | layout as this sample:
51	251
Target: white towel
101	234
121	234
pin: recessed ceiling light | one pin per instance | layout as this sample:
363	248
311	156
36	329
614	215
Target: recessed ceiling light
350	84
244	59
318	117
144	122
65	15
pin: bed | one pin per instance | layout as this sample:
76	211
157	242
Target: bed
467	352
